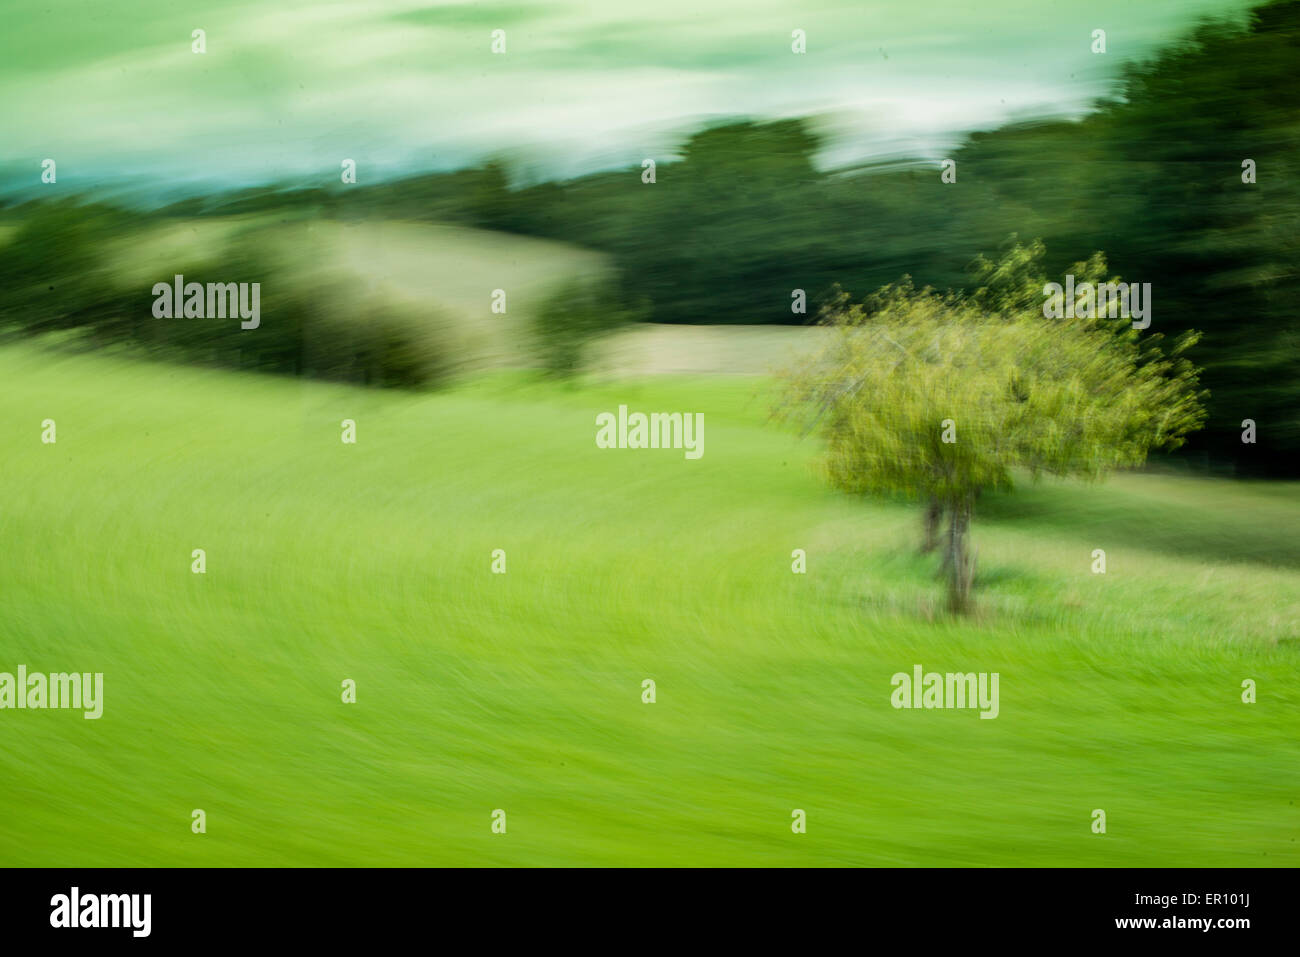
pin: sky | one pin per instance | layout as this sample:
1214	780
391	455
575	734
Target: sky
289	89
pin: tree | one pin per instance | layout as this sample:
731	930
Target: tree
54	269
576	314
1165	157
941	396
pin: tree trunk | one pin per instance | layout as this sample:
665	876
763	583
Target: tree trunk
957	559
933	519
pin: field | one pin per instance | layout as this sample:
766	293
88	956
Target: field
522	691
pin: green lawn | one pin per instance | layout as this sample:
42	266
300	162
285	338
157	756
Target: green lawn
523	691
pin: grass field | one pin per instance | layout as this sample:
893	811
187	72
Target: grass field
522	691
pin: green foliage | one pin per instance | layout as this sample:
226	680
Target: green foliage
1073	397
310	324
388	348
51	272
1155	177
573	317
942	396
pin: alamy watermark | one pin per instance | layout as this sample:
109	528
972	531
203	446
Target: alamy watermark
217	300
1108	300
76	909
658	430
935	690
57	690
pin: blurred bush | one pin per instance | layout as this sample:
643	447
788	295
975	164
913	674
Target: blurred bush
575	315
56	278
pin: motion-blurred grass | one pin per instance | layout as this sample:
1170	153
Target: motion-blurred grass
523	691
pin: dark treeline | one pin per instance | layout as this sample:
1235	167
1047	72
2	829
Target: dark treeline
1153	178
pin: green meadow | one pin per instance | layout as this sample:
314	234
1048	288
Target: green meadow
523	691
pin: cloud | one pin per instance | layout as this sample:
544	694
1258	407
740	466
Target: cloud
285	88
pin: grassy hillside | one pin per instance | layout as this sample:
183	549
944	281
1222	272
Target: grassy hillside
445	273
522	691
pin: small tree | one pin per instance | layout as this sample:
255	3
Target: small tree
573	317
942	396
